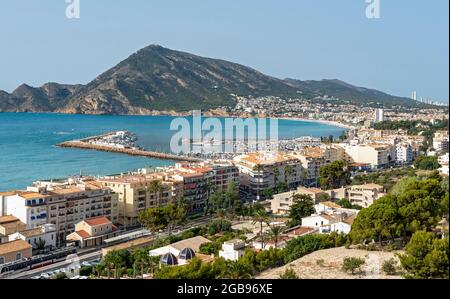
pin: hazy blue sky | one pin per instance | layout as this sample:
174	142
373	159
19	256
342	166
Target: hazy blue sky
406	49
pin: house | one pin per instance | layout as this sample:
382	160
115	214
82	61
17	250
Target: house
43	237
10	225
338	222
92	232
282	202
232	250
14	251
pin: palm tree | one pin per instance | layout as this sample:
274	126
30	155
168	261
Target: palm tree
261	217
275	233
258	168
236	270
140	257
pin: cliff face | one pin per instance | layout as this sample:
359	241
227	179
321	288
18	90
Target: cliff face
158	80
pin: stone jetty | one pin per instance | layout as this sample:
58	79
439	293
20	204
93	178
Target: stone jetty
124	150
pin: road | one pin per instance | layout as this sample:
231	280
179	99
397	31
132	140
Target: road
90	255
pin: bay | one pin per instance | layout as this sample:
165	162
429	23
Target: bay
28	152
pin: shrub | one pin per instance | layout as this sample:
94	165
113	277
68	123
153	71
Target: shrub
320	262
289	274
218	226
85	271
390	266
352	264
210	248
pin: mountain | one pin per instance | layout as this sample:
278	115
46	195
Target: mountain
160	79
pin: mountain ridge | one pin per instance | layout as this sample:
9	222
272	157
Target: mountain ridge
155	79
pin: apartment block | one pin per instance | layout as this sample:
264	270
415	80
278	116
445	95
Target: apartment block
62	204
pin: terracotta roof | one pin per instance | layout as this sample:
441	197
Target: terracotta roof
32	232
301	231
349	220
8	219
97	221
83	234
14	246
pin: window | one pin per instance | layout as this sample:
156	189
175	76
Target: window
18	256
2	260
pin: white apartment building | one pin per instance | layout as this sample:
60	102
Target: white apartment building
440	141
62	204
377	155
403	153
265	170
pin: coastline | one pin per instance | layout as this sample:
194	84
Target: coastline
321	121
204	114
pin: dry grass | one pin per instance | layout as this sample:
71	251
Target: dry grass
327	264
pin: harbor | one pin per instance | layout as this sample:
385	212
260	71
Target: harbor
121	142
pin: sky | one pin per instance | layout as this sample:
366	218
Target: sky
406	49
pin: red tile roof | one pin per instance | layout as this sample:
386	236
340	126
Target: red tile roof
97	221
83	234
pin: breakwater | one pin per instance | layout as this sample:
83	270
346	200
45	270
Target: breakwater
128	151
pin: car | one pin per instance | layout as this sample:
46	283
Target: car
86	264
45	276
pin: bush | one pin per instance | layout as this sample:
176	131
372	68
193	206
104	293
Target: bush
218	226
61	275
289	274
210	248
320	262
390	267
352	264
85	271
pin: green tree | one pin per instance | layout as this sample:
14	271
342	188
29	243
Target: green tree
426	256
237	270
426	163
302	206
334	175
153	219
352	264
174	215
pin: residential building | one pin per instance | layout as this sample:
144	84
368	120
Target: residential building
8	226
92	232
403	153
42	238
365	195
282	202
14	251
379	115
377	155
261	171
62	204
136	193
440	141
232	250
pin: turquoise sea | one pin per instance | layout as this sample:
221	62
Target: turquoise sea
28	152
